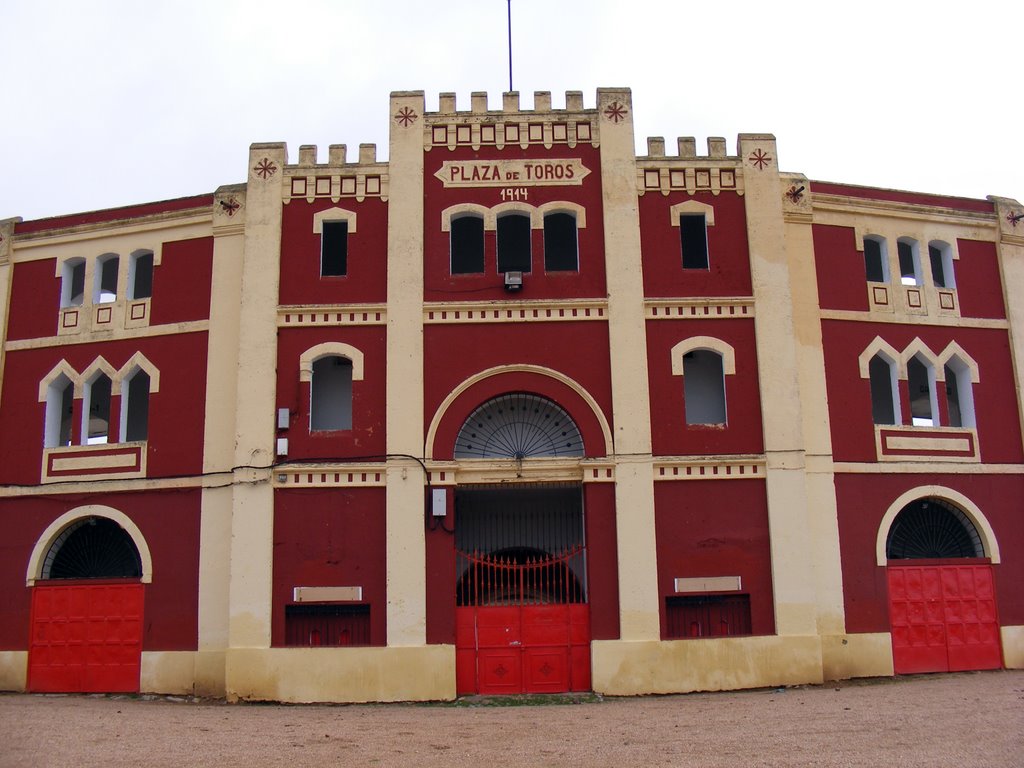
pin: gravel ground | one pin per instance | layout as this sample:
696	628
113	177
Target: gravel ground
967	719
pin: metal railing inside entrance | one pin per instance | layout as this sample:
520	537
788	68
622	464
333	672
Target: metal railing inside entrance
520	577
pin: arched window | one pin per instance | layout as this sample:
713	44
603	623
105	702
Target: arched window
884	390
59	406
910	261
514	246
140	275
561	249
105	290
330	406
518	426
467	244
932	528
876	259
704	387
940	254
92	548
921	383
959	393
135	407
72	286
96	410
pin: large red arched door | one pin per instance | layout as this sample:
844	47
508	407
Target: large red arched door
87	612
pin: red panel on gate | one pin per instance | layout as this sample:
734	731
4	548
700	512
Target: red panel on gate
943	618
86	638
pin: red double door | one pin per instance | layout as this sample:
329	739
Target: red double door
523	649
943	618
86	638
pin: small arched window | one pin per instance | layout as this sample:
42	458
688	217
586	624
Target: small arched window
59	407
140	275
561	248
330	406
704	387
884	390
910	261
467	244
876	259
693	235
96	410
959	393
514	246
105	290
72	286
940	254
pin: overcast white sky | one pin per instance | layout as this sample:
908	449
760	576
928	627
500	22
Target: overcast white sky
108	103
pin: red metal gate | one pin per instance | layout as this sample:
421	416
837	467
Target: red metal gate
522	625
943	618
86	638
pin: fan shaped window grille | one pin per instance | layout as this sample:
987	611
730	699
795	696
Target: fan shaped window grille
932	528
93	548
518	426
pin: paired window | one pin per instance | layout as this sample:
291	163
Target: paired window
514	237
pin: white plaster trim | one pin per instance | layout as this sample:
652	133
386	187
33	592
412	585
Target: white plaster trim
463	209
889	352
918	348
692	208
955	350
45	541
725	350
338	348
63	367
563	206
334	214
140	362
435	422
968	507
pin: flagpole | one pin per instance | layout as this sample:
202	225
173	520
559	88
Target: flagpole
510	46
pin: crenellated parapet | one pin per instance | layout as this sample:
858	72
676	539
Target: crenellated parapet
511	125
337	178
686	171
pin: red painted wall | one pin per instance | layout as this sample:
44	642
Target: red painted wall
670	434
715	528
366	278
441	285
169	521
839	266
115	214
175	443
899	196
35	300
602	560
577	350
979	284
849	396
330	537
863	500
728	272
366	438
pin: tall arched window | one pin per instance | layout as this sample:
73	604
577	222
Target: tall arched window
140	275
561	250
59	405
876	259
959	393
135	407
921	383
704	387
105	290
467	244
72	285
910	261
330	406
884	391
940	254
514	246
96	416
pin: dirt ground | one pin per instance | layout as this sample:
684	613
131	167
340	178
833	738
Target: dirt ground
967	719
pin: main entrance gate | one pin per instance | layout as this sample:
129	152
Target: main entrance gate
522	618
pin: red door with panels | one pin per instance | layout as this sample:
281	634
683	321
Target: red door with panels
86	637
943	618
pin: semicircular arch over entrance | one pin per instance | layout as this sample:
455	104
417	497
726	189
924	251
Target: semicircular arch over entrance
520	426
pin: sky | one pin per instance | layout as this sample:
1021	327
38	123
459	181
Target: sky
108	103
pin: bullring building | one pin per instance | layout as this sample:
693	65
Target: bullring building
515	410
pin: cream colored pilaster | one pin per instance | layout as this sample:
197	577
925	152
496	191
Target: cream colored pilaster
821	492
406	566
219	437
793	571
631	405
6	249
1010	247
252	516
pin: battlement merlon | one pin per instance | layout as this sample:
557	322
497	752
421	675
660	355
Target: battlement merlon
510	104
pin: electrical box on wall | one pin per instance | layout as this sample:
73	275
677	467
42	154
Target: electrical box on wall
283	418
439	502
